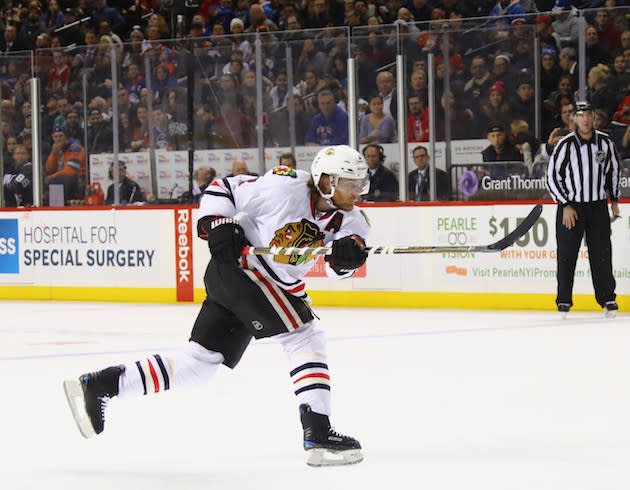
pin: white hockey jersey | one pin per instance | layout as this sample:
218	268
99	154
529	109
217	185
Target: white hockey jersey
277	210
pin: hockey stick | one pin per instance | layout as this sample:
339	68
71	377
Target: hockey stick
502	244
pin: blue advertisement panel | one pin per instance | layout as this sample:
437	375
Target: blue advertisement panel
9	247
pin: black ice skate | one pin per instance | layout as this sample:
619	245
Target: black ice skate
325	446
563	309
610	309
88	397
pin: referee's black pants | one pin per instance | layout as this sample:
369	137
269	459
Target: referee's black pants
594	222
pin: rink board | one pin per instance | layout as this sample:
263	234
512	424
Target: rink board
145	254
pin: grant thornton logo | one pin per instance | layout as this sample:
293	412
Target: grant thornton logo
9	247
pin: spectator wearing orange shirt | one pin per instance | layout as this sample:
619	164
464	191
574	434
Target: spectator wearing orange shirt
66	163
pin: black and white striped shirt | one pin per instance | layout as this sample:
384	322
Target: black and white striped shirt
583	171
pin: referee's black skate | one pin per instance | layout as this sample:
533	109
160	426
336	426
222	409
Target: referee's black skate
88	397
324	445
610	309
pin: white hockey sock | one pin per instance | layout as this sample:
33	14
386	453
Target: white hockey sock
190	366
306	349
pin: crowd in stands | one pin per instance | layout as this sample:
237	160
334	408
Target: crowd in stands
187	74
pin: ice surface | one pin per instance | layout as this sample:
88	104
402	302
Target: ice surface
439	399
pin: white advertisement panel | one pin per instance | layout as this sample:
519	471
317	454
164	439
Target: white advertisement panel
139	248
527	267
100	248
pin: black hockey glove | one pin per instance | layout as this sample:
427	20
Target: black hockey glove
348	254
226	239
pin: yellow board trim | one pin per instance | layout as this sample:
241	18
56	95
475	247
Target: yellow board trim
346	299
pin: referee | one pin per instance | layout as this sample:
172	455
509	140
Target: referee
583	172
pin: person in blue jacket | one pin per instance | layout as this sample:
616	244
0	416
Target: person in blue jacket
330	126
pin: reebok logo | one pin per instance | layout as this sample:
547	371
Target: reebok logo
183	254
9	247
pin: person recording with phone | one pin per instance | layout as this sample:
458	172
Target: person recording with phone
583	173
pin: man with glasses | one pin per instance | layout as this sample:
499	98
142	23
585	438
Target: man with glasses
418	182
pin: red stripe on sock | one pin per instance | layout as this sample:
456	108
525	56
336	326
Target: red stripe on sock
313	375
156	382
278	299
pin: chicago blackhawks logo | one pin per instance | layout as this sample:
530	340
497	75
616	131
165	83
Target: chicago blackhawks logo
302	234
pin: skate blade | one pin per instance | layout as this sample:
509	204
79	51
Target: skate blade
563	315
610	313
328	457
76	400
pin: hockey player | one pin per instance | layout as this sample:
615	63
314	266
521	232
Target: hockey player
257	296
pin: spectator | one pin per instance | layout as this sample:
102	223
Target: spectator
499	150
129	190
316	14
550	71
162	82
239	167
476	89
124	101
103	13
529	147
595	52
8	42
162	138
232	127
566	22
609	33
568	64
308	88
377	127
376	50
419	10
522	105
7	154
523	55
31	27
288	160
18	185
70	34
505	11
460	118
419	180
74	128
259	20
279	124
279	93
418	120
502	72
140	139
497	109
548	37
135	83
365	71
330	126
619	79
100	135
59	74
386	85
597	89
202	178
66	164
383	182
125	132
311	59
